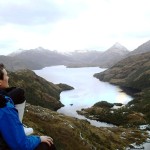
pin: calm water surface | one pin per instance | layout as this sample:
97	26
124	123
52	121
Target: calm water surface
87	89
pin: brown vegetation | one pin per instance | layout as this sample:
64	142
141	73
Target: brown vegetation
74	134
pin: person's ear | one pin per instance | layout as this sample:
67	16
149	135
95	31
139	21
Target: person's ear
0	82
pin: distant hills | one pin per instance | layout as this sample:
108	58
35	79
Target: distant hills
38	58
34	59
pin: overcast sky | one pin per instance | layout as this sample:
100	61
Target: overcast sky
67	25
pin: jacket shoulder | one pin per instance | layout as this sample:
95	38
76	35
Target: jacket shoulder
2	101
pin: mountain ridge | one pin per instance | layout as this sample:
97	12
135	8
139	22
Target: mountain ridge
39	58
143	48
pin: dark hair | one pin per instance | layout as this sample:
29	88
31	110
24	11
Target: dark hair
1	71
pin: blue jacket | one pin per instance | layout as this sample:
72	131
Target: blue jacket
11	129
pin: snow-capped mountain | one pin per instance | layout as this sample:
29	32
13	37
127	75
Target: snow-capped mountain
16	52
117	48
111	56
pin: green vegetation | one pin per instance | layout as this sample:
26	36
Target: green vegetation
133	72
38	91
124	116
103	104
141	103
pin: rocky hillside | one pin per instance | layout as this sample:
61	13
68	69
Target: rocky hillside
74	134
38	90
145	47
133	71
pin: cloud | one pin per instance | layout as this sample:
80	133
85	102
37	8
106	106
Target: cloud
66	25
34	12
30	12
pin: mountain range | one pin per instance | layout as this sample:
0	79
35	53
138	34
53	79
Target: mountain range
38	58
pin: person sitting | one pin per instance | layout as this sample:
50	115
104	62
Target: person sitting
18	97
12	133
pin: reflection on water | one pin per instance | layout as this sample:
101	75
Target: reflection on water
88	90
122	98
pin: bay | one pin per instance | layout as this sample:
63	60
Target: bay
87	89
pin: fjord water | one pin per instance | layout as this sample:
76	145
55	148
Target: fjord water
87	89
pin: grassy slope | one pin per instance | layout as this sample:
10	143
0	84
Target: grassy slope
74	134
38	90
133	71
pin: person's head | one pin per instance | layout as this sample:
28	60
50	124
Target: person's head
3	77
